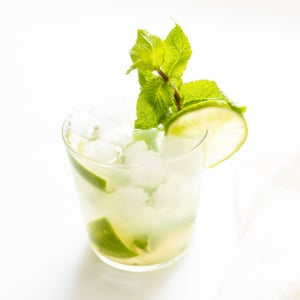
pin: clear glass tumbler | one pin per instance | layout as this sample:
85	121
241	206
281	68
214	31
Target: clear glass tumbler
138	190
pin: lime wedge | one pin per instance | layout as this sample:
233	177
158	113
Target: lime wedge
226	127
105	239
90	177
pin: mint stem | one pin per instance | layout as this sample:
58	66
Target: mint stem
165	77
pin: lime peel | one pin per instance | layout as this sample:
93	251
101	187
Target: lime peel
90	177
106	240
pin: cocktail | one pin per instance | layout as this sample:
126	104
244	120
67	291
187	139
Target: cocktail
138	192
139	182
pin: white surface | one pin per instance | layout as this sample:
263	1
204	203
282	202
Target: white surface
58	56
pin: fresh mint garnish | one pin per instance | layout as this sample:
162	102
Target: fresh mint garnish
160	65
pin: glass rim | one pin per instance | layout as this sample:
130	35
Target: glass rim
115	164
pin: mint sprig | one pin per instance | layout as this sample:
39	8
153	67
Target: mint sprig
160	65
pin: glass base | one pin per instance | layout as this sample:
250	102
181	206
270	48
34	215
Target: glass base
137	268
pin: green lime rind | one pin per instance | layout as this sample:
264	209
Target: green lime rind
106	241
90	177
212	115
203	101
197	105
220	102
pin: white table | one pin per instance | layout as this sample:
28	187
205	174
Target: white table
58	56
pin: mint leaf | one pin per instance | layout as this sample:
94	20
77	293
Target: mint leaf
177	53
145	76
155	105
205	90
199	90
142	243
147	53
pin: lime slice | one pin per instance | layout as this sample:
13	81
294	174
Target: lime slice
90	177
226	127
105	239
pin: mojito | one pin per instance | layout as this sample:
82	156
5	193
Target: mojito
138	189
139	182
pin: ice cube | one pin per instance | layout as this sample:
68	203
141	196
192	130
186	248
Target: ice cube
128	204
119	135
83	124
129	199
131	207
136	153
102	151
148	169
176	194
113	129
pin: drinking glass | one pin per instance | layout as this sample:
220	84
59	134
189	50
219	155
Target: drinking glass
138	190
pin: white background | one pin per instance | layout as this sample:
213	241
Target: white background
59	56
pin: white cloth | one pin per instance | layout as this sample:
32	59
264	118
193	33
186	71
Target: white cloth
267	262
